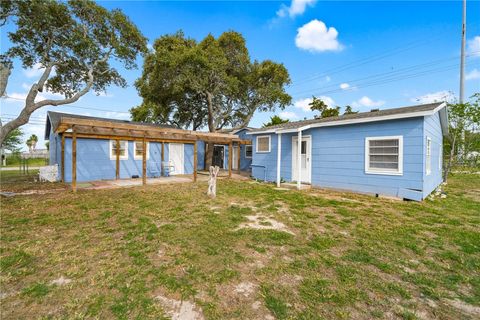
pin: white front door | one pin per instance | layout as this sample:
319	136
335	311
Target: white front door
176	158
305	159
235	158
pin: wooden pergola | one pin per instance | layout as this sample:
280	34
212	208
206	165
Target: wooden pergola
74	128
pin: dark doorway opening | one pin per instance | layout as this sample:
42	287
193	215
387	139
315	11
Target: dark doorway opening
218	156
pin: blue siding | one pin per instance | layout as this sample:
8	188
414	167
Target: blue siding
433	130
244	162
338	158
93	160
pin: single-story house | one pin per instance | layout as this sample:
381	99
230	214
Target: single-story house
393	152
91	148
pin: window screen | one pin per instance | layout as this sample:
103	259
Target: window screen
263	144
384	155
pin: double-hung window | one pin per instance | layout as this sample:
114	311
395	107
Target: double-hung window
384	155
263	144
123	150
138	150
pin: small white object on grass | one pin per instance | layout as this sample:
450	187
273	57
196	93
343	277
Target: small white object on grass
212	181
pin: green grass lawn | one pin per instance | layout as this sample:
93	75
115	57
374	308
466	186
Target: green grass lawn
131	253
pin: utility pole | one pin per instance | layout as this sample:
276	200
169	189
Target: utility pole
462	54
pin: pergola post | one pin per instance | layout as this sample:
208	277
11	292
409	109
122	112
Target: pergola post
279	157
144	161
239	147
195	162
230	158
63	158
117	159
74	161
299	160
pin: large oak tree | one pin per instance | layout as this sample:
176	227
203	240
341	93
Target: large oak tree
212	83
73	42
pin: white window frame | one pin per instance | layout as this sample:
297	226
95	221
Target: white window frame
113	156
269	144
391	172
251	151
428	156
135	150
440	156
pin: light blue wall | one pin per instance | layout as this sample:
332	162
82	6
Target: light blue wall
338	158
93	160
244	162
433	130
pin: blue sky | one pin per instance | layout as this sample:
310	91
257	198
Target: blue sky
378	54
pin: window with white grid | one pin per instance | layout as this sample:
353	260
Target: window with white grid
384	155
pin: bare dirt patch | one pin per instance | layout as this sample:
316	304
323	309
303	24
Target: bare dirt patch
261	222
180	310
464	307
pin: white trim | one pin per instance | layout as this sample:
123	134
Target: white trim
269	144
440	156
369	170
251	152
309	180
279	157
234	157
353	121
182	155
428	156
113	156
135	157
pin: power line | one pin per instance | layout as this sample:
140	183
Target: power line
385	77
367	60
73	106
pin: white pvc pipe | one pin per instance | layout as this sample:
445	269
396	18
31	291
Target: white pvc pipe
299	160
279	157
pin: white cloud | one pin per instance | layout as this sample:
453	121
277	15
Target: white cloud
104	94
367	102
316	37
304	104
297	7
473	46
434	97
150	46
35	71
344	86
328	101
472	75
288	115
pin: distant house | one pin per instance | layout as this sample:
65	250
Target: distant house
91	148
394	152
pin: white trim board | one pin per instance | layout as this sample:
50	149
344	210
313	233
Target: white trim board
354	121
387	172
269	144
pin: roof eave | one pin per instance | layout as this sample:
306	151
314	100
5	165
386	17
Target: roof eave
354	121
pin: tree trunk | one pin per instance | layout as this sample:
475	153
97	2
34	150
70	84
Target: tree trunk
4	75
208	154
450	160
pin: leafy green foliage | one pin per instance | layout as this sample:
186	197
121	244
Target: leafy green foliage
464	137
275	120
13	140
210	83
73	37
